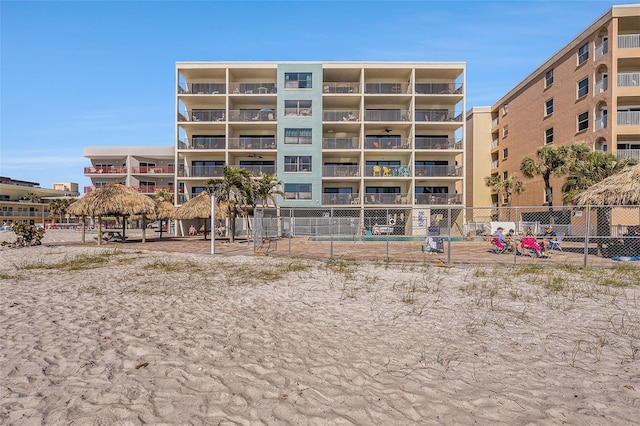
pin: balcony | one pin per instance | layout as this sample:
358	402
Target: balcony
387	115
629	41
494	164
495	143
628	118
388	171
340	143
204	143
264	114
257	169
340	171
152	189
340	199
201	171
438	199
252	88
110	170
627	154
629	79
386	88
601	49
438	171
437	143
202	115
438	88
202	88
339	115
438	115
601	86
152	170
396	198
266	142
394	143
601	122
341	87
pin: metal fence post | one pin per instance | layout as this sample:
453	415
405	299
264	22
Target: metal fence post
586	236
331	233
449	237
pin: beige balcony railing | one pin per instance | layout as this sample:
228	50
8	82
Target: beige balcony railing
340	199
435	199
258	169
341	87
628	154
438	88
252	88
437	143
340	115
386	88
392	198
340	170
202	88
264	114
340	143
262	142
438	171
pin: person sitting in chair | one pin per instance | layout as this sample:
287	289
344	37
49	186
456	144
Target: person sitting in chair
549	235
192	230
529	243
201	231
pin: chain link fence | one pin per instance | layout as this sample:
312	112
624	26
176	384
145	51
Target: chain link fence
577	235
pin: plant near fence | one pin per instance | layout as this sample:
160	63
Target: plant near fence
27	236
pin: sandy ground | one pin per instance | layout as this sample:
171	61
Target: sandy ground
117	336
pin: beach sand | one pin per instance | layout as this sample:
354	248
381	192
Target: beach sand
112	336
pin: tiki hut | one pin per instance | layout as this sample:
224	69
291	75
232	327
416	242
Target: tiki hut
113	199
620	189
198	207
163	210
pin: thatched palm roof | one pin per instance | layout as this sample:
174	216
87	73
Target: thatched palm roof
620	189
112	199
198	207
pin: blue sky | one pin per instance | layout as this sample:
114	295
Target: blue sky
92	73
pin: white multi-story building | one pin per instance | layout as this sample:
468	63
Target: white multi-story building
379	134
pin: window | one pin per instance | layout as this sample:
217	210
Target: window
297	191
583	121
548	107
583	53
548	135
297	80
505	131
294	163
297	136
505	175
583	87
505	153
297	108
505	109
548	78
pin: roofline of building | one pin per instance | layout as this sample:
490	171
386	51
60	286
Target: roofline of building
610	13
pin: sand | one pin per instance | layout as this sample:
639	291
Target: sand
112	336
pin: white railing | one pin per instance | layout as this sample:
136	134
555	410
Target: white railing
601	49
628	118
629	79
494	164
625	154
629	41
601	122
601	86
495	143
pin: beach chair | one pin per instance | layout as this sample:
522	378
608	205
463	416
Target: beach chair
498	248
555	245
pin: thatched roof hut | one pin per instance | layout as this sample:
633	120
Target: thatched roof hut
199	207
620	189
113	199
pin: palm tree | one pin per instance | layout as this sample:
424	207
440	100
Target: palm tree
594	168
233	194
58	207
266	189
553	160
508	186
